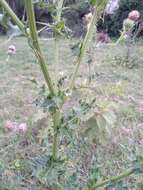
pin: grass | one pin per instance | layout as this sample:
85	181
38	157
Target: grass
111	81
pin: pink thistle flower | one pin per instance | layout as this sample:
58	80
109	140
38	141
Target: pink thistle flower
11	50
134	15
22	127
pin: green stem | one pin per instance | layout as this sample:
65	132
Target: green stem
56	122
84	47
59	9
120	38
56	41
33	32
93	186
58	16
57	115
97	10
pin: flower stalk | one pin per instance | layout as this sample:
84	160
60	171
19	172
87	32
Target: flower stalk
56	126
56	41
84	47
57	114
97	7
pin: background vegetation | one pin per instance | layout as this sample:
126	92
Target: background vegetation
75	11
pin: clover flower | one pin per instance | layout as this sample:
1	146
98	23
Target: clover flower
15	127
9	125
22	127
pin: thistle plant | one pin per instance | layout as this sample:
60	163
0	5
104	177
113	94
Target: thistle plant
127	37
54	92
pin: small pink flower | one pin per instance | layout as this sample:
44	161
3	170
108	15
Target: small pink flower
22	127
10	125
11	50
134	15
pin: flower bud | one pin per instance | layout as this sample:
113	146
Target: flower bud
134	15
128	24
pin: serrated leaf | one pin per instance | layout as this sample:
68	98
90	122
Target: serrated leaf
47	171
98	129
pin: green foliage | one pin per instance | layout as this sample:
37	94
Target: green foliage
47	171
99	127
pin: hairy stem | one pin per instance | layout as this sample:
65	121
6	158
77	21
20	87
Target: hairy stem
58	15
14	17
120	38
56	123
56	41
93	186
84	47
59	9
57	115
33	32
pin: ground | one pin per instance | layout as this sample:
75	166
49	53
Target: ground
112	79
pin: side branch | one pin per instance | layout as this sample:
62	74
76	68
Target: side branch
92	186
85	45
14	17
